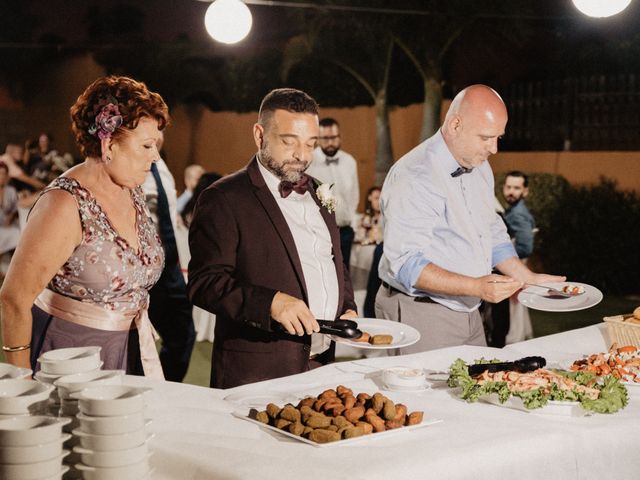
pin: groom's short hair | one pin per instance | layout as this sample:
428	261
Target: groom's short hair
289	99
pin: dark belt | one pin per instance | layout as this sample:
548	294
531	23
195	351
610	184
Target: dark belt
415	299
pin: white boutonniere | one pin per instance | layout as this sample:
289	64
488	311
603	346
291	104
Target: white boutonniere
326	196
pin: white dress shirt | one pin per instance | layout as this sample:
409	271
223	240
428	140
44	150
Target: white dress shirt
313	243
343	174
432	217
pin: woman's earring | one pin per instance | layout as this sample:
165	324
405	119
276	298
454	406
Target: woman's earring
107	159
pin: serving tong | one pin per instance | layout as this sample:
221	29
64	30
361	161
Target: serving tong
340	328
526	364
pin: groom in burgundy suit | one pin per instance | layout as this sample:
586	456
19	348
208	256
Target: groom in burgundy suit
265	254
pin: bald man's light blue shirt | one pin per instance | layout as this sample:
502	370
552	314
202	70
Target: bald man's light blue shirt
432	217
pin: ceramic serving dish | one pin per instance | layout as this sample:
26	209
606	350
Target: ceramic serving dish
65	361
33	453
111	425
19	396
33	470
112	458
110	400
137	470
106	443
30	430
69	384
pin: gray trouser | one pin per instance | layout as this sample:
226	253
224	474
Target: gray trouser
438	325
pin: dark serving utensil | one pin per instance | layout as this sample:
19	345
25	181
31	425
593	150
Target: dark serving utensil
526	364
341	328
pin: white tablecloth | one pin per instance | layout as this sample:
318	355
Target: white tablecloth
196	437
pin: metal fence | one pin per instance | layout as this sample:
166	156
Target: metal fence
587	113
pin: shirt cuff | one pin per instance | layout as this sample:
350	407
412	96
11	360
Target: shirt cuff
502	252
410	272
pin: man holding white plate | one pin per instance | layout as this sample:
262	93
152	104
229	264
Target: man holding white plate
442	236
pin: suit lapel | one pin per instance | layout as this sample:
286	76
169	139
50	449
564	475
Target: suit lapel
272	209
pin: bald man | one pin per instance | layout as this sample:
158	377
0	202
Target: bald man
442	237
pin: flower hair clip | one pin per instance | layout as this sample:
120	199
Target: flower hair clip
107	121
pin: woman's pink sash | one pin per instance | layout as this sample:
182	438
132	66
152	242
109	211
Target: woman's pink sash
92	316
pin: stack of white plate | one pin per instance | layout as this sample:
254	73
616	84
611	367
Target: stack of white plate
31	448
112	433
70	384
55	364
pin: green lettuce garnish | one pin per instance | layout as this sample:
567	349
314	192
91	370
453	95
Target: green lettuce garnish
613	394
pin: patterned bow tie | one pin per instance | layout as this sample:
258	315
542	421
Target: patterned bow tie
300	187
461	170
330	160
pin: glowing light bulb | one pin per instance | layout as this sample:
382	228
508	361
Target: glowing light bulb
228	21
601	8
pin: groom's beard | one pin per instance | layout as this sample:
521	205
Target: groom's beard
290	169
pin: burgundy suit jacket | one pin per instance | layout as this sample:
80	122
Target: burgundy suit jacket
242	253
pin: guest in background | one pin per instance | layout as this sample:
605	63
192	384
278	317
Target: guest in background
169	307
90	252
521	226
9	229
336	167
13	158
204	322
191	176
205	180
370	226
372	232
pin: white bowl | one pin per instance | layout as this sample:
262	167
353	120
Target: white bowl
30	430
112	458
11	371
79	381
111	425
65	361
404	377
110	400
106	443
135	471
18	395
34	470
33	453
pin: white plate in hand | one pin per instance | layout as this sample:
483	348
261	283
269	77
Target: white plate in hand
534	297
403	335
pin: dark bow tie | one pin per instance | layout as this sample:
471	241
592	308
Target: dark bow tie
330	160
300	187
460	171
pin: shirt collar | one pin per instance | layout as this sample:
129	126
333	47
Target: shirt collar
449	163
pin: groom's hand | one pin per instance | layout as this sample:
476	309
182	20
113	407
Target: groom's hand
293	314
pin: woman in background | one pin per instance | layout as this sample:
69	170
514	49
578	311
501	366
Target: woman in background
89	253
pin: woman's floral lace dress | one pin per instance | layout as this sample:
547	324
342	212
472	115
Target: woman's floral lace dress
106	271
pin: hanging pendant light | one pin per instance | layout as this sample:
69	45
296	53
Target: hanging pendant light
228	21
601	8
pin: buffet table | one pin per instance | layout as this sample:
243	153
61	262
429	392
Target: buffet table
196	436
